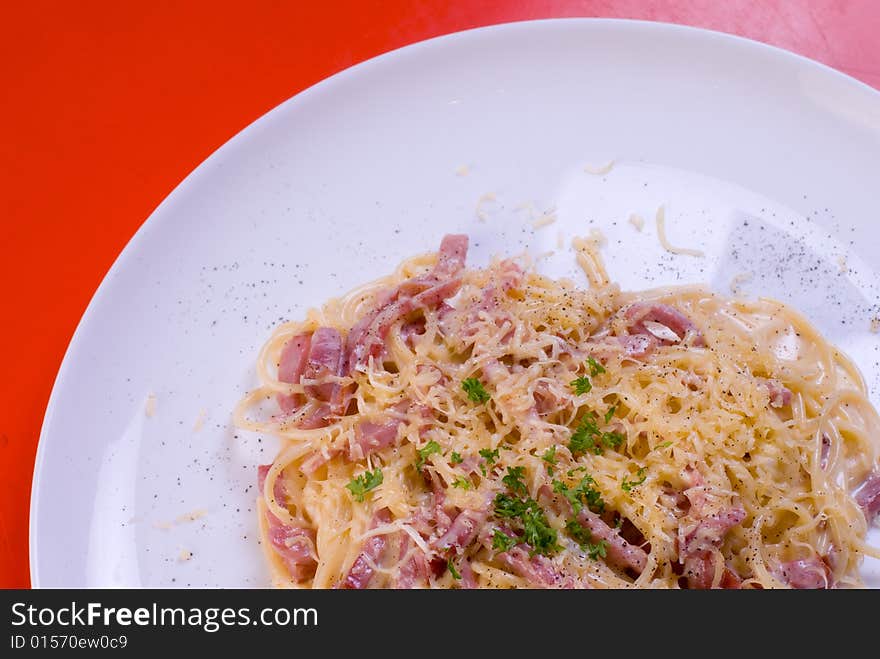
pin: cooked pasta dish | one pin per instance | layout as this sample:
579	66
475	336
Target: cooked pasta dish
455	427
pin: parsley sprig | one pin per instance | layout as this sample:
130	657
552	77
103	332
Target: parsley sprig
428	449
502	542
526	513
514	480
581	494
489	456
581	385
463	483
362	484
627	485
595	367
475	391
587	437
584	538
610	413
550	458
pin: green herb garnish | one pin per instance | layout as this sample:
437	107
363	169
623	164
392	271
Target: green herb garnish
489	456
463	483
588	438
364	483
581	385
585	437
581	494
514	481
584	538
595	367
428	449
640	474
475	390
537	531
610	413
612	439
550	458
502	542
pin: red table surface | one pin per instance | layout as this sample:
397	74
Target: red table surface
108	105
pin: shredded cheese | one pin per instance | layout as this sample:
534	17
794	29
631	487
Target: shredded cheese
200	420
481	212
661	234
150	405
599	171
191	516
637	221
668	400
544	220
740	279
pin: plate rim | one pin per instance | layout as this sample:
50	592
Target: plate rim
340	77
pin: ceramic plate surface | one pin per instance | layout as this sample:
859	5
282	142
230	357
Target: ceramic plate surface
765	161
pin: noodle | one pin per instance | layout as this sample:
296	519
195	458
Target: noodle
517	431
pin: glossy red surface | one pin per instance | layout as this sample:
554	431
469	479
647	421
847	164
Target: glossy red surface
107	105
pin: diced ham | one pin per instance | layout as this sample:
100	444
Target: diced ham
432	517
413	571
326	358
314	356
537	570
317	460
812	573
294	545
362	570
367	338
868	496
510	275
730	580
699	573
619	552
468	580
371	437
409	331
315	416
294	357
278	491
826	449
548	401
495	372
452	255
640	313
638	345
709	531
376	435
780	395
463	530
701	533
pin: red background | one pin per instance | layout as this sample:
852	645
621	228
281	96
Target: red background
107	106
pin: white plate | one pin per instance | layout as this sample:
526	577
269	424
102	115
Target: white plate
766	161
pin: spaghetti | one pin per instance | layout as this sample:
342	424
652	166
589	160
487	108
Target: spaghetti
492	428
